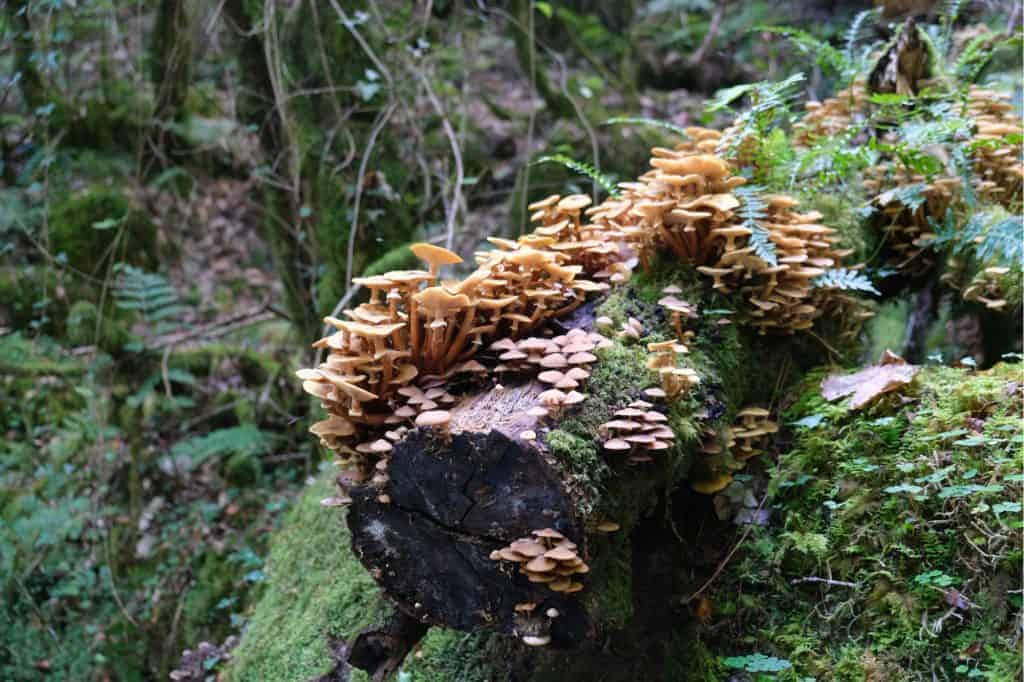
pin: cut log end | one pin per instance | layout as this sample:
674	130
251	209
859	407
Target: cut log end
451	506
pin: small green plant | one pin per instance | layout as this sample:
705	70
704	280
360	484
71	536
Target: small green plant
605	181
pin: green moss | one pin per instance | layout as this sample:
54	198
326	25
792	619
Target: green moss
610	594
84	328
447	655
243	469
317	591
893	500
86	229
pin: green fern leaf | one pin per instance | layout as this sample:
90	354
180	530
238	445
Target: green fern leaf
825	56
149	295
853	34
752	210
607	182
246	439
654	123
846	280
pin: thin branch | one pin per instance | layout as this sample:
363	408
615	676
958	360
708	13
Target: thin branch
456	201
825	581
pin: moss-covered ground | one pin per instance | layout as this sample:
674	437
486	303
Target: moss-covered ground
318	592
913	509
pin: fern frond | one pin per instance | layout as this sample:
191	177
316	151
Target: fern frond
753	209
949	16
853	34
991	237
770	103
149	295
245	439
825	55
845	280
652	122
911	196
606	181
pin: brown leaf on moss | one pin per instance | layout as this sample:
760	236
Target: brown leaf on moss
869	383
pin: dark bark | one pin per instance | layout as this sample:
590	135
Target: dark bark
379	651
452	505
919	320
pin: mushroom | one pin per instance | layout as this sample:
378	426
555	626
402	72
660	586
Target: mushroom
437	421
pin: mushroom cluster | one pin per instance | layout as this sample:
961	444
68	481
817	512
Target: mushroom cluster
675	381
546	557
679	311
729	448
997	160
832	117
415	328
752	431
987	288
783	297
906	229
638	431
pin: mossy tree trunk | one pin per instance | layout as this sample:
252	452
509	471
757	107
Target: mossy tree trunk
171	72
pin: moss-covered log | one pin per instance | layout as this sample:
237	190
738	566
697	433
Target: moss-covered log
452	499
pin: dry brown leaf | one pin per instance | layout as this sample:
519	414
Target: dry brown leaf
869	383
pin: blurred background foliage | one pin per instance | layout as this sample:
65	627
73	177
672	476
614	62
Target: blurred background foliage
187	189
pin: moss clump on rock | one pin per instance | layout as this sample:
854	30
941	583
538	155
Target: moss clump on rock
101	226
317	593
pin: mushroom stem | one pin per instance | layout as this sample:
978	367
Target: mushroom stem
460	340
414	331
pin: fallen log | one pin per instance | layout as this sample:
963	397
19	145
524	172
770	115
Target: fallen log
456	497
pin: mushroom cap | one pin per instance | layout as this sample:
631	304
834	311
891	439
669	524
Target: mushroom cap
536	640
616	444
549	533
608	527
573	398
529	548
440	300
552	396
540	564
435	255
574	202
333	426
560	554
711	486
753	411
434	418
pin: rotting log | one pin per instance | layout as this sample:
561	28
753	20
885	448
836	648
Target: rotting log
453	499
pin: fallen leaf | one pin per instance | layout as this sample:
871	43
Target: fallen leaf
869	383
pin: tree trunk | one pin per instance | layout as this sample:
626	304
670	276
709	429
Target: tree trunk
171	73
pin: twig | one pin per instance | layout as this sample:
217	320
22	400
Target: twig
709	38
724	562
826	581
